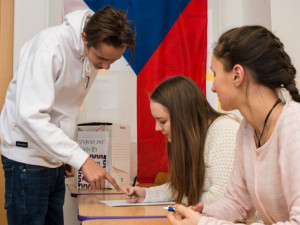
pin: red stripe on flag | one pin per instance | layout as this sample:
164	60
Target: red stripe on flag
182	52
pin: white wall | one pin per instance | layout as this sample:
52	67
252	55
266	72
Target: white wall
282	17
30	17
285	24
232	13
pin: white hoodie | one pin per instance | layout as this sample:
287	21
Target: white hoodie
38	120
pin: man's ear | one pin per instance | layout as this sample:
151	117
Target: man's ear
238	75
83	37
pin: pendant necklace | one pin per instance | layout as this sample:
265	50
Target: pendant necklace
267	117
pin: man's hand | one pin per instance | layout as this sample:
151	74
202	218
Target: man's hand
96	175
69	171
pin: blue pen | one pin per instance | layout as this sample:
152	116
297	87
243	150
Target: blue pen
170	208
173	209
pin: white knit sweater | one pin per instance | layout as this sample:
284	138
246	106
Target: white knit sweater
219	155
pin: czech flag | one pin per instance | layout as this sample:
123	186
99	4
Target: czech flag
171	40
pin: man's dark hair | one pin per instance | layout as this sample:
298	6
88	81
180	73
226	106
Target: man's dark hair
110	26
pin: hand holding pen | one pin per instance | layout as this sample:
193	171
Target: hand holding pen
134	194
173	209
184	215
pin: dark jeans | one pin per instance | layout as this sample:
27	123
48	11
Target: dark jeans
33	194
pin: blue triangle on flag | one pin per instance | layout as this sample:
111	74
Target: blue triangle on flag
153	19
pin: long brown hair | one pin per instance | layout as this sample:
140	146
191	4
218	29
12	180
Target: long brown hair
261	52
190	116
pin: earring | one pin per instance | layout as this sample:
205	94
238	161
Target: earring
236	84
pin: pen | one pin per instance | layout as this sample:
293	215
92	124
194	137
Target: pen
170	208
133	185
173	209
134	181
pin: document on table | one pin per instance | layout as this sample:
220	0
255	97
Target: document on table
125	203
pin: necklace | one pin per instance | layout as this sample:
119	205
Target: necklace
267	117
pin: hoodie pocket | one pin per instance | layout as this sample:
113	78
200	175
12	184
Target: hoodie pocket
9	180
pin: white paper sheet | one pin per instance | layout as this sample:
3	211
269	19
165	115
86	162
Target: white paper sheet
125	203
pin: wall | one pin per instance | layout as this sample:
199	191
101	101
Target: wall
6	68
231	13
285	24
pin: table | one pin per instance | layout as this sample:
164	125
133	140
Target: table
85	191
90	207
93	212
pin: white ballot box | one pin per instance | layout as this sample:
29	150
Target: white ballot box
109	145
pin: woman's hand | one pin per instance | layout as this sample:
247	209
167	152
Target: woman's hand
185	216
134	194
198	208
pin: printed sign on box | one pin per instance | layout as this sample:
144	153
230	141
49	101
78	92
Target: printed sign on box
109	145
96	144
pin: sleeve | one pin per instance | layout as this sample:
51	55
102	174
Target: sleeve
289	159
159	194
219	159
236	205
35	100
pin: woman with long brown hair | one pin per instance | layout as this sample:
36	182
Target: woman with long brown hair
200	145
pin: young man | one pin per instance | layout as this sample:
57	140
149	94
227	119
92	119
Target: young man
38	121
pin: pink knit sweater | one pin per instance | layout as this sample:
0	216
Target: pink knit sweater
266	179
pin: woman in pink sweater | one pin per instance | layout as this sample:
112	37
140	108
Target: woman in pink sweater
252	71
